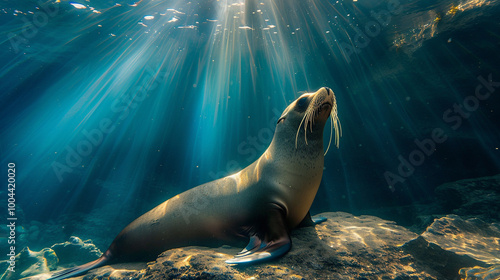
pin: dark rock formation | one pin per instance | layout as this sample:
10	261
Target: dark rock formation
76	251
469	198
477	272
444	263
29	263
471	237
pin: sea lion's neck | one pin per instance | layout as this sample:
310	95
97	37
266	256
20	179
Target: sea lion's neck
306	162
293	177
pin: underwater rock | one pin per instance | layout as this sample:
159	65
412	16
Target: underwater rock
431	257
473	237
451	244
416	217
29	263
472	198
343	247
477	273
76	251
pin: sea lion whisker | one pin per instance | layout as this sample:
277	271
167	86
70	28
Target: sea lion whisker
331	131
337	125
315	114
308	120
298	129
313	119
310	116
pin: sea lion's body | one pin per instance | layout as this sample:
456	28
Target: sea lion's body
220	211
262	202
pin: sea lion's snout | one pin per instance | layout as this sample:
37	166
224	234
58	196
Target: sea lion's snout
325	106
324	101
309	114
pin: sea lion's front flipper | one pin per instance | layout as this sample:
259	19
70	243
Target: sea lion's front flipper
271	242
308	221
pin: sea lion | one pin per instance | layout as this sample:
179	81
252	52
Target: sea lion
262	202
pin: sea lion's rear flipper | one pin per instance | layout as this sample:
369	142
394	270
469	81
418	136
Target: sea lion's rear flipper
308	221
79	270
271	242
318	220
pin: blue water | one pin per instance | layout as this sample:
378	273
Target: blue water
111	107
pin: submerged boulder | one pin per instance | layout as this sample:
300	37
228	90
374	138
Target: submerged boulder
431	257
30	263
37	265
477	272
472	237
76	251
451	244
470	198
343	247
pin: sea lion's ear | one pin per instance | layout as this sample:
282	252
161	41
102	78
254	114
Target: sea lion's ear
283	115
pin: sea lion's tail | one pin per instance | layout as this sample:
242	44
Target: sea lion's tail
79	270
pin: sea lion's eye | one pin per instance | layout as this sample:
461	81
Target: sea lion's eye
281	119
302	102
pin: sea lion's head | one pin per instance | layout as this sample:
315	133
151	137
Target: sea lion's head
301	125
